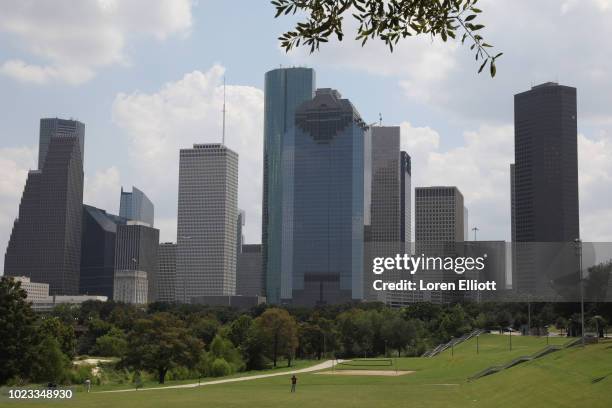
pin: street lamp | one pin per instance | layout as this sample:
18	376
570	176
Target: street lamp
578	245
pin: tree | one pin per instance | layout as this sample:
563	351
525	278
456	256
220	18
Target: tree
50	363
62	331
398	333
389	21
238	330
17	330
112	344
160	343
281	330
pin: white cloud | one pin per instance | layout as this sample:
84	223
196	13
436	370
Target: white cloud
14	165
101	190
479	168
75	38
185	112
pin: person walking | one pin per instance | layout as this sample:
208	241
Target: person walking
293	382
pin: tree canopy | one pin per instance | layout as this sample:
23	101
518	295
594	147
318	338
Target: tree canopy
389	21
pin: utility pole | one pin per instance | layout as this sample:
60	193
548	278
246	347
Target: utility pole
578	244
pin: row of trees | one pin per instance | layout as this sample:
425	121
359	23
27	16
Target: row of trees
211	341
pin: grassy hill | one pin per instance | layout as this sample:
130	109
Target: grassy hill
573	377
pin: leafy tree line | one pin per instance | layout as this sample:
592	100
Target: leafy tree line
191	341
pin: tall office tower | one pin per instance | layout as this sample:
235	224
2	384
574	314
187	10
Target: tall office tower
389	227
328	202
166	273
546	164
136	206
285	90
51	127
207	217
545	189
45	243
439	231
136	257
98	251
249	276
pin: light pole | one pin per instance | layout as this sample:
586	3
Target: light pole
510	336
475	229
578	244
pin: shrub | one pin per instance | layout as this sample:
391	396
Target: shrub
220	368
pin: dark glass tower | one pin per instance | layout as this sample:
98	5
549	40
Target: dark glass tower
546	164
45	243
545	192
328	201
285	90
98	251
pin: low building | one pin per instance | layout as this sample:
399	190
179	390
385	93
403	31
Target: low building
36	291
131	286
47	304
238	302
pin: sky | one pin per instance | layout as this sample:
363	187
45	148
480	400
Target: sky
146	78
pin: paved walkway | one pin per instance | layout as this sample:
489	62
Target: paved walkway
322	366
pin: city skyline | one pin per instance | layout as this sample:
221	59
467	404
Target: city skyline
451	130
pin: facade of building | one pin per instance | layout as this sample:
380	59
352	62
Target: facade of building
439	231
285	90
136	253
389	226
98	251
545	183
131	286
166	283
327	203
136	206
45	243
207	218
50	302
51	127
36	291
546	164
249	275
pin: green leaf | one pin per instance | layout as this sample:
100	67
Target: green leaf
493	69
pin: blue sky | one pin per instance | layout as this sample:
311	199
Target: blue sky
145	77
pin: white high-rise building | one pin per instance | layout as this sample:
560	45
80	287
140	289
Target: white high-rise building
207	222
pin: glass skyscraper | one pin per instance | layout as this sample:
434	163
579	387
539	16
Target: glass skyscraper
327	211
285	90
136	206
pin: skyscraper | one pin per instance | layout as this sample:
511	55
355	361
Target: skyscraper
166	282
546	164
545	192
439	231
390	203
51	127
98	251
207	217
285	90
45	243
136	252
328	201
136	206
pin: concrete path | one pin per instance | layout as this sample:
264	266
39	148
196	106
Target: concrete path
322	366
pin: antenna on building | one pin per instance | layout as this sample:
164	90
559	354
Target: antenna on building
223	134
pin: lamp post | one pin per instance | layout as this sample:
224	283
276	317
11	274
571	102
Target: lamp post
510	336
578	245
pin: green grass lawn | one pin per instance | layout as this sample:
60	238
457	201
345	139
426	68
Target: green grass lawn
573	377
